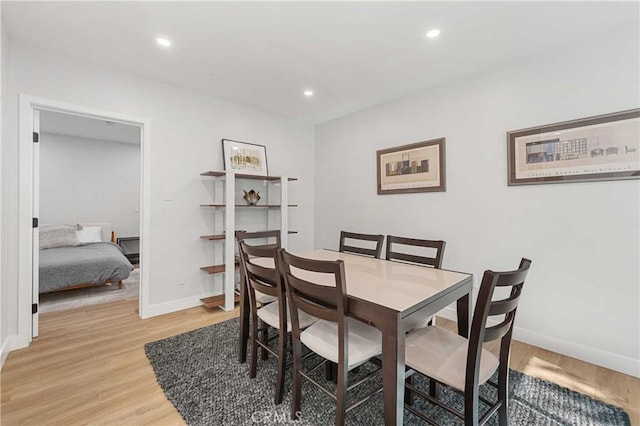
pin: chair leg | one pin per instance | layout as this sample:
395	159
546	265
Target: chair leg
341	394
331	371
409	397
265	338
503	395
254	346
433	388
296	391
471	403
282	357
244	323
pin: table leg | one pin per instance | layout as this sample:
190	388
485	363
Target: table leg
463	308
393	375
244	321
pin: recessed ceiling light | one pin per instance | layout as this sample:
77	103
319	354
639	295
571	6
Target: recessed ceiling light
308	93
163	42
433	33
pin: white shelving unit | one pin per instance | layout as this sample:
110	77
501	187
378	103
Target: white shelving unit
230	206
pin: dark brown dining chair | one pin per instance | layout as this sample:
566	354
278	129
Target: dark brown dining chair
447	358
363	239
434	260
263	238
268	281
431	253
335	336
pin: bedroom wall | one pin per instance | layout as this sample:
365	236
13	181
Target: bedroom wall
582	296
185	140
90	180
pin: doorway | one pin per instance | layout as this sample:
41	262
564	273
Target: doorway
31	109
88	175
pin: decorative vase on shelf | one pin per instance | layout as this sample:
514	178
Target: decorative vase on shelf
252	197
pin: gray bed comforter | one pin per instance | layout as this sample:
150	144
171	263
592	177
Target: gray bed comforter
92	263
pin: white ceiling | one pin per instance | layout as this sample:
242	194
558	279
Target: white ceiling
85	127
352	54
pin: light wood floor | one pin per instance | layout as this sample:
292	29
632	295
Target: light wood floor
89	367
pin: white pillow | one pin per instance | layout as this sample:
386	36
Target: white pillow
89	234
57	236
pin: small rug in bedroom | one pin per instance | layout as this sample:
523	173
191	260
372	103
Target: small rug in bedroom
60	300
200	374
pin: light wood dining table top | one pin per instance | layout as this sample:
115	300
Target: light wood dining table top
395	285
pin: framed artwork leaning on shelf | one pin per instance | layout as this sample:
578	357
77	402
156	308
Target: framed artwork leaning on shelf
418	167
245	158
604	147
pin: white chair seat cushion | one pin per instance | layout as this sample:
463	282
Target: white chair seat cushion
364	341
441	354
263	299
271	315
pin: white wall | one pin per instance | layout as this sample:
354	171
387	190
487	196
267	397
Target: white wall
89	180
582	296
186	132
3	282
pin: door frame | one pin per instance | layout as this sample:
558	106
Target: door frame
26	175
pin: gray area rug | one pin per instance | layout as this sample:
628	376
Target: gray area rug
200	374
60	300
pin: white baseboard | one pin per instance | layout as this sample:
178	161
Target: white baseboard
174	306
595	356
10	344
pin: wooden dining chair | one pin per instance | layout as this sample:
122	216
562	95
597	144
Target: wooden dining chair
335	336
463	364
347	247
398	249
268	281
261	238
434	260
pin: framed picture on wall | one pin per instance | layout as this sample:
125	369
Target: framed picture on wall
245	158
604	147
418	167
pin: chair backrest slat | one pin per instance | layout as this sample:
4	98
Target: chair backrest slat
314	291
509	279
244	235
348	248
435	261
498	331
504	306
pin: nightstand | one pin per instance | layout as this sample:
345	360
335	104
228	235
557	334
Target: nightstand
130	248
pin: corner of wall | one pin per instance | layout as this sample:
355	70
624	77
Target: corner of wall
9	344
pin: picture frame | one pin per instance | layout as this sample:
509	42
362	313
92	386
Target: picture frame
245	158
417	167
599	148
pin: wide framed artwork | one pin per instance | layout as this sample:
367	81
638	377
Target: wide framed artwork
245	158
417	167
600	148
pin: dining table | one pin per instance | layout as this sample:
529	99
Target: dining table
394	297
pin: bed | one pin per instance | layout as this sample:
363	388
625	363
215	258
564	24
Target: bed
84	263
